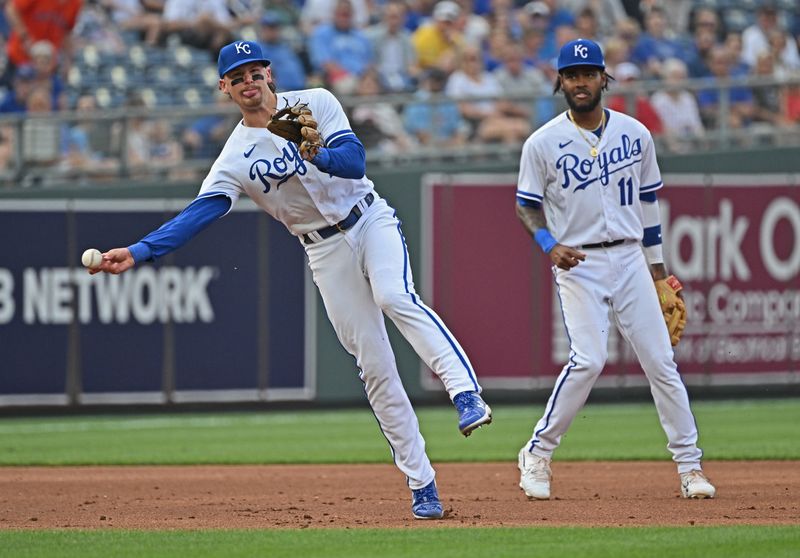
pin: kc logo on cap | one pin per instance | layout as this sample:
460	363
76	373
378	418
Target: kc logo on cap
237	53
581	52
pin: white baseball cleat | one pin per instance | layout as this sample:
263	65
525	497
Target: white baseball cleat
694	484
535	475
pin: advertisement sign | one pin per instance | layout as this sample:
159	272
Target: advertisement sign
733	241
220	319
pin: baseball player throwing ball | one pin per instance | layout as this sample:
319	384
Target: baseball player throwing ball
587	193
296	157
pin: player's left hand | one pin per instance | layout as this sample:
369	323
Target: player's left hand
565	257
672	306
297	124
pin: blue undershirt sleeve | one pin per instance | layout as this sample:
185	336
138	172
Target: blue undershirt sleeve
180	229
345	158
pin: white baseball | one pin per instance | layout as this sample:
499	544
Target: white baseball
92	258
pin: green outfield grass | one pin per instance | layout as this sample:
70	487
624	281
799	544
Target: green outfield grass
761	429
546	542
729	430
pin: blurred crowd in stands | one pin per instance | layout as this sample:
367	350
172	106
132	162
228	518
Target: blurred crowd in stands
478	59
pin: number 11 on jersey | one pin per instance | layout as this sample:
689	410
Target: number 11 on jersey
625	191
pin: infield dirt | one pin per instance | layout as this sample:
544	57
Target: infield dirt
319	496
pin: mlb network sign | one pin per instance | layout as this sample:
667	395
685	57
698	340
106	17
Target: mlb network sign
197	320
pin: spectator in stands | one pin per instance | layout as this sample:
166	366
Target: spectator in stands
204	24
769	101
783	67
340	52
535	54
474	27
287	67
137	140
205	137
432	123
519	80
85	144
705	17
587	26
35	20
439	42
492	118
616	52
628	30
605	13
755	39
140	18
7	150
733	42
495	50
21	86
94	27
655	44
165	150
322	12
537	16
503	18
635	104
704	40
44	64
376	123
394	55
559	15
677	107
41	137
741	105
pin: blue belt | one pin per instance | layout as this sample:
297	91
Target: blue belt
351	219
607	244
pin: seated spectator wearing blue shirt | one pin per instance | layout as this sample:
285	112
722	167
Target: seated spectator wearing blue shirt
339	52
432	123
741	107
287	68
393	51
655	45
21	86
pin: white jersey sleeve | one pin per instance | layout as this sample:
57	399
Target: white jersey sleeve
532	172
589	186
223	177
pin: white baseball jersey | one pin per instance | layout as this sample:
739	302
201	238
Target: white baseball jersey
269	169
362	273
590	199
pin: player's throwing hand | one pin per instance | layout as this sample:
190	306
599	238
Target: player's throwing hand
115	261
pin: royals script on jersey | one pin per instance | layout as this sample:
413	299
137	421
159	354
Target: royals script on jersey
590	199
271	172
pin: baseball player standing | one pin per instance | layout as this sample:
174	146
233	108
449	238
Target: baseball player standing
354	244
587	193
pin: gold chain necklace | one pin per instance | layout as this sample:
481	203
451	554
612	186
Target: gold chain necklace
593	146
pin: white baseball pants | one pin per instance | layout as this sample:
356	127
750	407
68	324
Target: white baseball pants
362	274
617	278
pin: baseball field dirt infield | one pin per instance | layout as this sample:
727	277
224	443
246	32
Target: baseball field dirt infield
318	496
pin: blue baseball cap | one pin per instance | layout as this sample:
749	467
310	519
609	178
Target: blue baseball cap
581	52
237	53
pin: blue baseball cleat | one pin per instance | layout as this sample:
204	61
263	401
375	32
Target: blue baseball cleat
425	502
472	411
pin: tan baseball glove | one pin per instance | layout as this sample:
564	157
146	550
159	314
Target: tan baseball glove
297	124
672	306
